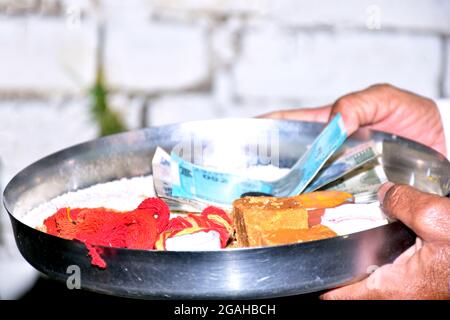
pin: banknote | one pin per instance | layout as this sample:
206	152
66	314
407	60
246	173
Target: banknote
162	172
349	160
324	146
363	181
162	181
192	181
366	197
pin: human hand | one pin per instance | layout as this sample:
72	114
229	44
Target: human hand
422	271
381	107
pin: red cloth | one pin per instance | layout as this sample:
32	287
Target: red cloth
137	229
142	228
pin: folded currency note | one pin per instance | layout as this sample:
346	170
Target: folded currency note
365	180
196	182
162	180
192	181
348	161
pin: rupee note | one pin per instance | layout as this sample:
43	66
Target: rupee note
349	160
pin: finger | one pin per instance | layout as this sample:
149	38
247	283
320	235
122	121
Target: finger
379	285
320	114
356	291
366	107
424	275
426	214
405	256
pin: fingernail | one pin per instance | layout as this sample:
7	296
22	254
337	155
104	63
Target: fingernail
383	190
418	244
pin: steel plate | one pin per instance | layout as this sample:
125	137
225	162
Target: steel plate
231	273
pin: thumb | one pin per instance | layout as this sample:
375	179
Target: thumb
428	215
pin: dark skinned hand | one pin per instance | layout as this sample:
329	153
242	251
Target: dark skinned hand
422	271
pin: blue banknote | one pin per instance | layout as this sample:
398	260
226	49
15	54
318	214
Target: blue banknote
192	181
195	182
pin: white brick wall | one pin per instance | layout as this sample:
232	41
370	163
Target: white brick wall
30	130
419	15
44	56
328	64
253	108
224	41
190	107
213	7
156	57
129	109
179	108
199	59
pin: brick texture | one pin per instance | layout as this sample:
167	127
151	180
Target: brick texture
154	57
44	56
304	65
33	129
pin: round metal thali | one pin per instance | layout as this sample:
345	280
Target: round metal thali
230	273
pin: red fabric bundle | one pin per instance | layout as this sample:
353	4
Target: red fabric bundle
146	227
137	229
159	209
211	219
